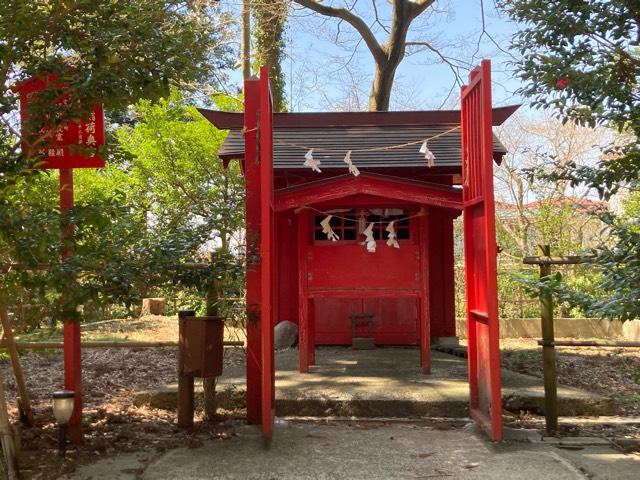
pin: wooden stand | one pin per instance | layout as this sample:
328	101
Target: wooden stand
548	335
200	354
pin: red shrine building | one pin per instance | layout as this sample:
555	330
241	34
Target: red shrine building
350	215
339	277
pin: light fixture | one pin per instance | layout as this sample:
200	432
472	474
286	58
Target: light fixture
63	401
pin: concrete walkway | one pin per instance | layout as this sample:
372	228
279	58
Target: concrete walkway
384	382
371	451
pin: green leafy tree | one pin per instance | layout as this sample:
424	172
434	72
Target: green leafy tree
581	59
269	22
113	53
174	172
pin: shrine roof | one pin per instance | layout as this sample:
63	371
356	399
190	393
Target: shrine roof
295	133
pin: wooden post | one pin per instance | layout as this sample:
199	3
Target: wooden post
423	302
6	435
72	352
24	404
548	352
267	257
254	267
209	384
186	403
303	295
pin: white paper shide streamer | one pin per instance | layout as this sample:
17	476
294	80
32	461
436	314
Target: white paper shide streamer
311	162
428	154
327	230
352	168
392	240
369	241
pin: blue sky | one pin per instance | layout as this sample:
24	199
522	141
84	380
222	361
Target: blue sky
318	79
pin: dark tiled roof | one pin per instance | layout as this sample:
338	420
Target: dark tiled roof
341	139
295	133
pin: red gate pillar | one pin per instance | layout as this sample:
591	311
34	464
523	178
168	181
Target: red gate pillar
304	341
71	330
267	257
254	270
424	307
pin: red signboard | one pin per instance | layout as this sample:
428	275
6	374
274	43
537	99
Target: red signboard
72	145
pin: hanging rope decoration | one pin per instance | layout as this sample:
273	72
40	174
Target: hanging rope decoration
369	241
313	163
352	168
428	154
327	230
392	240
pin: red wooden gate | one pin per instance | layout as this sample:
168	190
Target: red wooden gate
480	252
267	280
258	166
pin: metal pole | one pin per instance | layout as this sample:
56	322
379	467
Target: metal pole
548	352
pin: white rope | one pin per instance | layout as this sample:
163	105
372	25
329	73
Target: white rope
420	213
368	149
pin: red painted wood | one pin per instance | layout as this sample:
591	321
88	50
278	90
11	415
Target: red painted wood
383	186
253	276
480	253
311	345
267	282
424	224
71	330
333	267
287	267
448	326
441	273
363	292
61	149
303	300
332	319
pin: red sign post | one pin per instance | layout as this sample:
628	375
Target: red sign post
71	145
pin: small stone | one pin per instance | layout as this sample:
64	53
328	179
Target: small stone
285	335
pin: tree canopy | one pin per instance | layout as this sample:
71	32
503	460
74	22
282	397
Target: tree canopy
115	52
581	60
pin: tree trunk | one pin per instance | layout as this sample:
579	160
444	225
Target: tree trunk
380	94
246	39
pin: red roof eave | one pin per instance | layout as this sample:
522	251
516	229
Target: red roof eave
235	120
384	186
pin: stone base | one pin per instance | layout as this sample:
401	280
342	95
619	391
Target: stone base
361	343
446	341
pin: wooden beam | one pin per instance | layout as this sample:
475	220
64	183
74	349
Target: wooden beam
421	193
105	344
548	260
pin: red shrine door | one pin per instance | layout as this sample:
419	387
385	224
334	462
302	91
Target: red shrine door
480	252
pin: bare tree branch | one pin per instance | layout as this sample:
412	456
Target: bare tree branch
355	21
